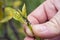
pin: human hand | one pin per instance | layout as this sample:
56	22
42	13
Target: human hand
45	20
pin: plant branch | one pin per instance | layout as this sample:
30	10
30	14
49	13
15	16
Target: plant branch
5	31
14	29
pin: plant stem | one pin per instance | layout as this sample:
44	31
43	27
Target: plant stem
6	31
30	27
14	29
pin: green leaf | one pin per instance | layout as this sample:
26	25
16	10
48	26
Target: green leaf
16	15
8	15
24	13
17	3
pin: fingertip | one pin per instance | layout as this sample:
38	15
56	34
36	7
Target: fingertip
32	19
40	31
29	32
46	30
28	38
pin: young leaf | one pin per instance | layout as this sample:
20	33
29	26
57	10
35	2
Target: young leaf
24	13
16	15
8	15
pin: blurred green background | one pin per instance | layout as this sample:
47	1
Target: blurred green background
30	5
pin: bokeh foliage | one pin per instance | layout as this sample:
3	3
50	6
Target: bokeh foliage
30	5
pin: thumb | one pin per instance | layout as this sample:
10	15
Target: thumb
48	29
